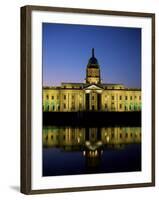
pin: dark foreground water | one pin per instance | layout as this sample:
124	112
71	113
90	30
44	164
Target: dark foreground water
76	150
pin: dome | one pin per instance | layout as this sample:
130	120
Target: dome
93	62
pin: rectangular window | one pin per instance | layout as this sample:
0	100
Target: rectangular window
112	97
139	97
64	106
73	105
73	97
120	106
130	97
126	98
120	97
52	97
80	106
47	96
64	96
92	97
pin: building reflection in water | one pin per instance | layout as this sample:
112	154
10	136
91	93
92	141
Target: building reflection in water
91	142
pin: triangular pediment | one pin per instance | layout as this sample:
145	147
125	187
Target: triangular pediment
93	87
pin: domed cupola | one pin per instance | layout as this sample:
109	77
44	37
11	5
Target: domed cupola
93	62
93	70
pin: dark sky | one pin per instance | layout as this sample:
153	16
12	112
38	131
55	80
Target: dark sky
67	49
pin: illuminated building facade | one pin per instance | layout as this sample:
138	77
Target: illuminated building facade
93	95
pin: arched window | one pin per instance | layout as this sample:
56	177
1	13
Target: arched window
129	107
135	107
58	107
53	107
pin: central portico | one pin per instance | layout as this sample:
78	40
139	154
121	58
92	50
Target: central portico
93	97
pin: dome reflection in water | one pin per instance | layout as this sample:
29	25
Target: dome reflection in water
83	150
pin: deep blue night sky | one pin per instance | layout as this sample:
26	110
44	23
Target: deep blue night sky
67	48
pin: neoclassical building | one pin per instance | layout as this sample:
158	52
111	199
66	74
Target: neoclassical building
92	95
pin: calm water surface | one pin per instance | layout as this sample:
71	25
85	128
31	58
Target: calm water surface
75	150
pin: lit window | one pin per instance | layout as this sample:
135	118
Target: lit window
73	106
80	106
